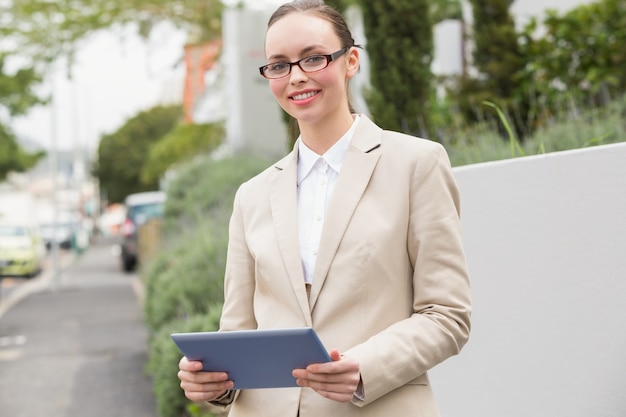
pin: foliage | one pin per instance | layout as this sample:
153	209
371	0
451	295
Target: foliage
400	47
182	143
187	279
16	97
184	283
446	9
497	54
206	188
573	126
576	56
122	154
17	93
341	5
496	57
12	157
581	51
163	358
45	30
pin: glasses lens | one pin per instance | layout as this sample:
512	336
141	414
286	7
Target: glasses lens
276	70
314	63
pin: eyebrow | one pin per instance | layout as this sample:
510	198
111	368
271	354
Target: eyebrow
302	52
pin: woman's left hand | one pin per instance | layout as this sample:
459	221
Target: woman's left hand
337	380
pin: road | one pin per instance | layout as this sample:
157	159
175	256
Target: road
75	345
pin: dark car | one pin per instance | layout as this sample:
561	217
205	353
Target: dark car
140	208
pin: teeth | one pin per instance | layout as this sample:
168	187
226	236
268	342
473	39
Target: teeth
304	96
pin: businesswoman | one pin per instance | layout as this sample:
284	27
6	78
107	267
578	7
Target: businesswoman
354	233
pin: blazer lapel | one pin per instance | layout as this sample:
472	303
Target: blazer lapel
283	195
355	174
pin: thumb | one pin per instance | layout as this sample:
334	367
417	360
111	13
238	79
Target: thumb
335	355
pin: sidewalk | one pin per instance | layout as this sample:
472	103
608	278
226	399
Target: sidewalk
75	345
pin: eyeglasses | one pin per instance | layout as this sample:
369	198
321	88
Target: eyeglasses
311	63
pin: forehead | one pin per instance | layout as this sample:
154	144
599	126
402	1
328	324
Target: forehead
297	31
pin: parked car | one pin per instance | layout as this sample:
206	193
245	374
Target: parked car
22	250
140	208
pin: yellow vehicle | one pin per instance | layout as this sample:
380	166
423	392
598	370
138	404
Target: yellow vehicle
22	249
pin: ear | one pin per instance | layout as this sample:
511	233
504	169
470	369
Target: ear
353	62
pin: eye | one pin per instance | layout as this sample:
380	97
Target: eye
278	66
314	59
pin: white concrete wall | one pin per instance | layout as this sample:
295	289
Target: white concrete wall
546	244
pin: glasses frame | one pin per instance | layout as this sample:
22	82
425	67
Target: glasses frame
329	58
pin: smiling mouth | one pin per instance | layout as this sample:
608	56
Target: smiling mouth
304	96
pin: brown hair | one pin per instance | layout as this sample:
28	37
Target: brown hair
322	10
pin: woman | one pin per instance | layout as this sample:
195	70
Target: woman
355	233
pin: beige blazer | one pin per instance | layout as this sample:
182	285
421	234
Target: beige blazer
390	286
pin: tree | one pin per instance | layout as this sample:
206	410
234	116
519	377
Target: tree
498	60
341	5
45	30
180	145
12	157
400	48
122	155
16	97
446	9
41	31
497	54
582	51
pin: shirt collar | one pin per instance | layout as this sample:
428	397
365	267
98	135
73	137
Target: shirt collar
334	156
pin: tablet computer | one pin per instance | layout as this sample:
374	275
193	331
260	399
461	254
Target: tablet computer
254	358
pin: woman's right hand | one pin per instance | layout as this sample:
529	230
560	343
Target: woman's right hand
200	385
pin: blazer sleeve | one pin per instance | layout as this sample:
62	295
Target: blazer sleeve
440	323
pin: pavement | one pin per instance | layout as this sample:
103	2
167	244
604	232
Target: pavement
73	343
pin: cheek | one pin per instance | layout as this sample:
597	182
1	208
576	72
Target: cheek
277	87
331	80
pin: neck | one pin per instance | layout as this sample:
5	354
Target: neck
321	136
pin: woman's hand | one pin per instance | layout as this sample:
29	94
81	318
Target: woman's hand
336	380
200	385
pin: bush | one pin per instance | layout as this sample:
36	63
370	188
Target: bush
572	126
184	281
205	188
181	144
163	360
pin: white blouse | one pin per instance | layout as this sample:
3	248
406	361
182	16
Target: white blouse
317	176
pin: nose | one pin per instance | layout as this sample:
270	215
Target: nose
297	75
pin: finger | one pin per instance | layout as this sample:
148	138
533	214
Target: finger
204	395
342	366
336	392
335	355
202	377
186	365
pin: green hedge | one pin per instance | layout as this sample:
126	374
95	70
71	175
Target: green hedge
184	282
163	358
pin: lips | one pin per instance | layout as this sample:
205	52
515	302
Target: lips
304	96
